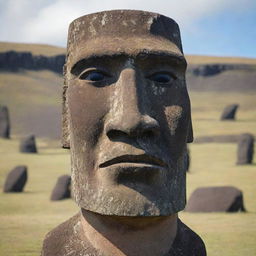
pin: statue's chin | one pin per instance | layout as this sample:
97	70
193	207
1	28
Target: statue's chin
132	191
128	202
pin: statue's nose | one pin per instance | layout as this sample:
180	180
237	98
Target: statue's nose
130	111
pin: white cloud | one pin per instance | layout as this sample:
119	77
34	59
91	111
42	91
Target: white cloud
46	21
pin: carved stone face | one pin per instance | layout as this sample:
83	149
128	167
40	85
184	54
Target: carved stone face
127	113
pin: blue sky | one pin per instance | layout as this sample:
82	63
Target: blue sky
208	27
226	33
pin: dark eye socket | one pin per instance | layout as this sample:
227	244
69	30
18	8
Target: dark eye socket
163	78
94	76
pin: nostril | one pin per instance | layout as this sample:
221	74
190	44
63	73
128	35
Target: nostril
115	134
148	134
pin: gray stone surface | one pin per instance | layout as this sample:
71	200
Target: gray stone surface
229	112
245	149
216	199
28	145
186	243
62	188
16	179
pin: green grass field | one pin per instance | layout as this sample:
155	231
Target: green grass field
25	218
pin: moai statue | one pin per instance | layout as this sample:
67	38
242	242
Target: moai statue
216	199
16	179
229	112
28	145
4	122
127	122
245	149
62	188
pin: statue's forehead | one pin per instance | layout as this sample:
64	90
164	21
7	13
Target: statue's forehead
122	31
131	47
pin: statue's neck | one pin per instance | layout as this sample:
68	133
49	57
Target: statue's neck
136	236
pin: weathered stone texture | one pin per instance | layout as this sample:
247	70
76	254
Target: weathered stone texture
127	137
187	160
16	179
216	199
65	240
229	112
4	122
245	149
62	188
28	145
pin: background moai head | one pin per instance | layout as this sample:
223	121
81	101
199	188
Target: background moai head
61	189
245	149
126	113
229	112
28	145
16	179
216	199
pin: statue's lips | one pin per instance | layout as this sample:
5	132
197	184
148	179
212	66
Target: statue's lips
134	159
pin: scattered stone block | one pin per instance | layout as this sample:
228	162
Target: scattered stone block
245	149
229	112
28	145
16	179
62	188
216	199
4	122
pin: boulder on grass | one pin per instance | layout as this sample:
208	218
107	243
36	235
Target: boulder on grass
216	199
4	122
28	145
229	112
16	179
62	188
245	149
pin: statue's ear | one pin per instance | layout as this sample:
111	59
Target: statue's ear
65	120
190	136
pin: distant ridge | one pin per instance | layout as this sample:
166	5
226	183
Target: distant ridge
49	50
35	49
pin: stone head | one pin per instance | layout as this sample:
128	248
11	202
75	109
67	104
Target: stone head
126	113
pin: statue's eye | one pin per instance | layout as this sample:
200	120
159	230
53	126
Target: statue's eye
162	78
94	76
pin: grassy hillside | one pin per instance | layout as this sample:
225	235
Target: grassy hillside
34	100
35	49
49	50
201	59
42	90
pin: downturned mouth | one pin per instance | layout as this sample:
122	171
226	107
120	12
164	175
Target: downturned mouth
139	159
